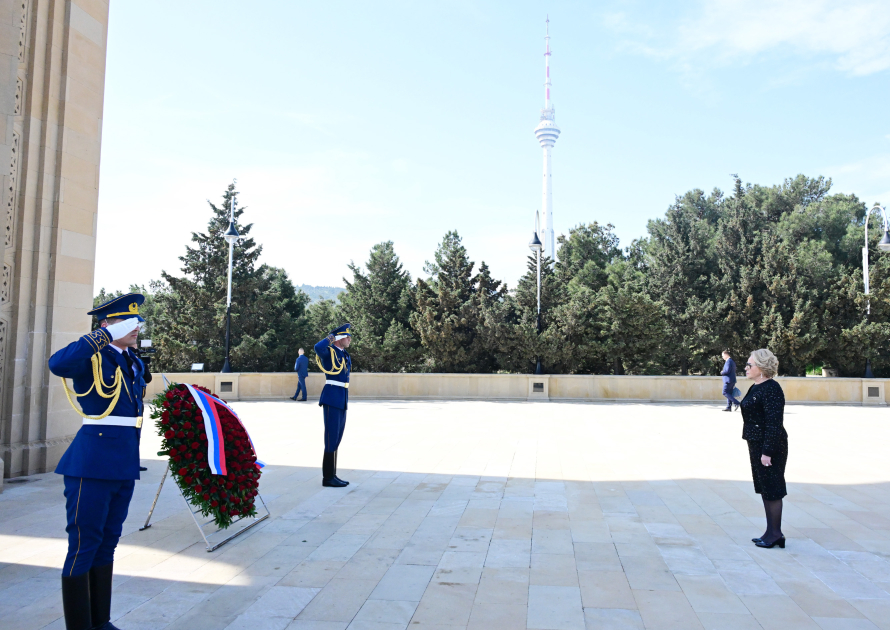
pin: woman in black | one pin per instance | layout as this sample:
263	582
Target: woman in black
762	410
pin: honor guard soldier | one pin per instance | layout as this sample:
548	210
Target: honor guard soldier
334	361
102	463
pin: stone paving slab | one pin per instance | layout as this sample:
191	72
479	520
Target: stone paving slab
474	515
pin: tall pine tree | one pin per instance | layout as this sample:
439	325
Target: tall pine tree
448	318
682	276
268	313
585	254
378	302
631	325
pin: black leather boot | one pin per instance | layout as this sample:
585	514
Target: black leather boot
100	596
327	473
335	470
76	602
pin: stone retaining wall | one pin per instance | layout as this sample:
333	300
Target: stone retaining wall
363	385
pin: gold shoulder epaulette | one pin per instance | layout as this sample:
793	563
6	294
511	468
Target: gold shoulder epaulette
98	339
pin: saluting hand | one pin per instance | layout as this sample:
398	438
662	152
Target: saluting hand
766	460
122	328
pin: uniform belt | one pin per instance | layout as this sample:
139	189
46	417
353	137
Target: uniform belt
337	383
116	421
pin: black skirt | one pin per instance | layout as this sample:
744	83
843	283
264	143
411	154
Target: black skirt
769	481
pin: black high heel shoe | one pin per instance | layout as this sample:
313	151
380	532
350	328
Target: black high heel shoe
779	542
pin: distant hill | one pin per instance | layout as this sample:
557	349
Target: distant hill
321	293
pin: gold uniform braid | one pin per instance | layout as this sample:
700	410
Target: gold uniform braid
100	387
335	367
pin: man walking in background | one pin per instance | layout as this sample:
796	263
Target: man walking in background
728	374
301	367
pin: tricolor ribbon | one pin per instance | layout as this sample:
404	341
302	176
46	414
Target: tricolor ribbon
259	464
216	452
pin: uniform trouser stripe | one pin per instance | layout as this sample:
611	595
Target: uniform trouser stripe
76	512
96	510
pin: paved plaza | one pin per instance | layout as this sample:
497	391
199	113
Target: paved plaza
497	515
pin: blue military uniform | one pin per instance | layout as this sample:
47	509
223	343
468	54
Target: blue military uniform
336	364
102	463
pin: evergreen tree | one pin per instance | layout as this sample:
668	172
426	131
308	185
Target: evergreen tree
630	324
785	254
767	266
520	344
491	307
448	318
680	262
552	290
268	314
570	343
379	303
864	336
585	254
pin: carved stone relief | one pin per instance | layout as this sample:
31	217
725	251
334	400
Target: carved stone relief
19	94
5	283
8	216
16	148
9	219
23	30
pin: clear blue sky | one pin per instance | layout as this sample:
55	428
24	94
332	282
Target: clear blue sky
349	123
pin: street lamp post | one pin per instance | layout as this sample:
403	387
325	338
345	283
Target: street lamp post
536	246
884	246
231	237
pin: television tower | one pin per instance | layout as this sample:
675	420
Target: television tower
547	132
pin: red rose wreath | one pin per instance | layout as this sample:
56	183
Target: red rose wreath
180	422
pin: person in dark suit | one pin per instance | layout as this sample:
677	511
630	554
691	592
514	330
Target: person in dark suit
763	410
728	374
335	362
101	465
301	367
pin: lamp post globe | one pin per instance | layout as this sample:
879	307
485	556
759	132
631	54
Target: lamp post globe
231	234
884	244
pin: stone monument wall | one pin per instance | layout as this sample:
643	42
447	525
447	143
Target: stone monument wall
247	386
52	84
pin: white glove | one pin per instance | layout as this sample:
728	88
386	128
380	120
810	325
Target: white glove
122	329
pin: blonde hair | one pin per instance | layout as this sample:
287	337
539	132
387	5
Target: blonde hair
766	361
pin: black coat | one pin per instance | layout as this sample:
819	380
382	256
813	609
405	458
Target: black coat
763	410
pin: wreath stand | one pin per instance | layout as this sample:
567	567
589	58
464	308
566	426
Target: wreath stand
211	545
